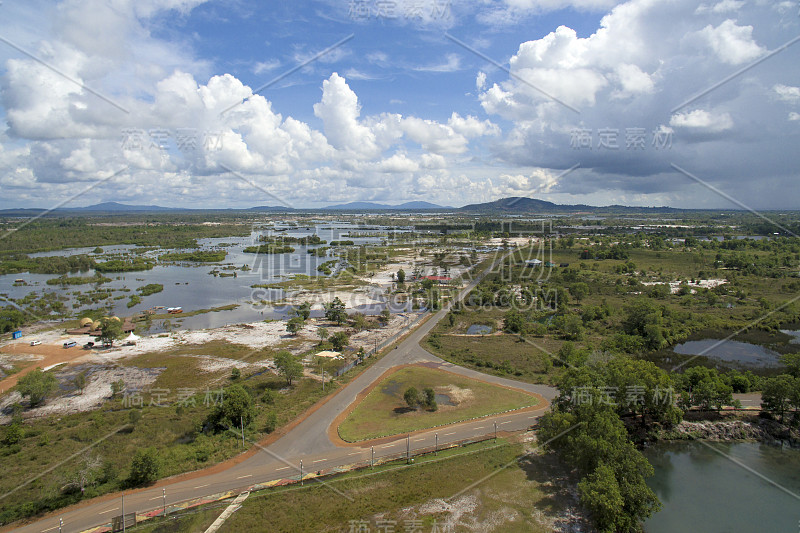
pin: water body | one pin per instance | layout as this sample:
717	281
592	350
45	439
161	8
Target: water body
193	286
479	329
702	490
741	353
793	333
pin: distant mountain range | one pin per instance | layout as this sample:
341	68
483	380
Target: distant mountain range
521	204
513	205
368	206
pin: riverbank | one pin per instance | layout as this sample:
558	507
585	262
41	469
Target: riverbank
730	427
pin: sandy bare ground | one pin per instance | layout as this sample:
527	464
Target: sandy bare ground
675	286
102	366
351	299
96	392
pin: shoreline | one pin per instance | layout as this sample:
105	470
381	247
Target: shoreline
753	428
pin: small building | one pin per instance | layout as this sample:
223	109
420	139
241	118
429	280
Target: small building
533	263
16	335
441	280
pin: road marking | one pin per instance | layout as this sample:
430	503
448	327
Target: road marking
51	529
110	510
480	427
242	477
354	453
283	468
506	422
318	460
156	498
390	445
201	486
451	433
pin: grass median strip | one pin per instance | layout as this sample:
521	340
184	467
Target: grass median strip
384	411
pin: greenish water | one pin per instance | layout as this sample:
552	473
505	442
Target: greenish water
702	490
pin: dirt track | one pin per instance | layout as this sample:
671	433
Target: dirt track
49	355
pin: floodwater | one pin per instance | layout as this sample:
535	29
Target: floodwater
479	329
741	353
193	286
704	489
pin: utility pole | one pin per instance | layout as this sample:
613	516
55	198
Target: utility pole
60	524
372	461
408	449
164	495
436	446
301	472
495	430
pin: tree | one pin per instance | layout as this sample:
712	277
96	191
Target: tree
110	330
80	381
792	361
572	327
385	316
579	291
295	324
323	334
10	319
236	373
145	467
288	366
401	276
777	394
514	322
36	386
411	396
360	321
335	311
340	340
117	387
430	399
599	492
303	310
236	407
13	434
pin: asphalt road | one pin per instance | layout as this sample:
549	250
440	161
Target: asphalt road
308	442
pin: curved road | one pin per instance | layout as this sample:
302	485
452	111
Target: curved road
308	441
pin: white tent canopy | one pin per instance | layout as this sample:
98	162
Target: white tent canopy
132	338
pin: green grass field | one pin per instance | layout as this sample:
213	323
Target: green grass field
525	496
384	412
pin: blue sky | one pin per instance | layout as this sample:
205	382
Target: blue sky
598	106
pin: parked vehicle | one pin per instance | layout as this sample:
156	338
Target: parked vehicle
70	344
36	343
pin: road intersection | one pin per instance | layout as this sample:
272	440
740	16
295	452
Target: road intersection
309	441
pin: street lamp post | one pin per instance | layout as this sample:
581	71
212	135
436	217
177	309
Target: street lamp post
60	524
164	495
372	461
301	472
123	511
495	431
408	449
436	445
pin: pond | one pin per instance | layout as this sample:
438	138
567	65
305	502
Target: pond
703	490
479	329
741	353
